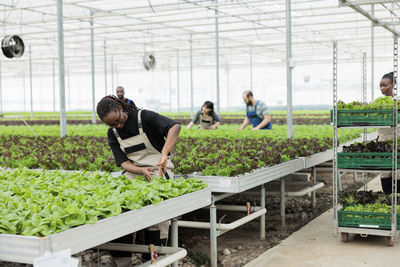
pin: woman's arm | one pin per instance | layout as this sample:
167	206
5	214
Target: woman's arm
130	167
190	125
172	137
215	125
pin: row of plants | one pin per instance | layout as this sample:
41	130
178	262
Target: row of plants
226	131
224	153
69	153
370	147
226	157
364	197
184	121
385	102
41	203
366	209
44	114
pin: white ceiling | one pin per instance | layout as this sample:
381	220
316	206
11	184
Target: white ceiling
131	27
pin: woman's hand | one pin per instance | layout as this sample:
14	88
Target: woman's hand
162	165
146	173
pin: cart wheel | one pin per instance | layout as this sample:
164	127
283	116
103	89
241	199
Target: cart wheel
345	237
390	241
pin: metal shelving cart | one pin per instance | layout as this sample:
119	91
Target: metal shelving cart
361	227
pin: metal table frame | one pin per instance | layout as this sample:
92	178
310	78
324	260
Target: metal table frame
223	187
24	249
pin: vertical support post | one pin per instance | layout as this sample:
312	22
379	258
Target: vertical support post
117	74
217	57
372	53
394	146
174	236
289	68
364	87
262	217
92	67
105	67
54	87
30	79
335	173
61	74
227	89
112	74
170	87
314	193
251	68
191	78
69	90
365	181
1	94
24	85
213	234
177	80
283	203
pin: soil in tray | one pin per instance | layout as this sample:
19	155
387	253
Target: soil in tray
241	245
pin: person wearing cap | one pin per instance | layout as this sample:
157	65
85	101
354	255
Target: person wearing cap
256	113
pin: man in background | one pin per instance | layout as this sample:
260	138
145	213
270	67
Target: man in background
256	112
121	95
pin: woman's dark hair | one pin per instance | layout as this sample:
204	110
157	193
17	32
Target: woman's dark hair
389	76
209	105
111	103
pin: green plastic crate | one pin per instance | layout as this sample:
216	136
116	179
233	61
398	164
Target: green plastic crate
368	160
374	220
382	117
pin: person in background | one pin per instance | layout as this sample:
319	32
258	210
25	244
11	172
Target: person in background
121	95
386	134
207	117
256	113
141	141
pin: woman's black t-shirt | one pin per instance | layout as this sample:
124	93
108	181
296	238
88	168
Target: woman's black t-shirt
155	126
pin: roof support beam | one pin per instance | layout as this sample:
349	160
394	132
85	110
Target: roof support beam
368	16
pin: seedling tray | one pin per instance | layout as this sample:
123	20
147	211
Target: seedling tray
371	160
24	249
382	117
241	183
372	220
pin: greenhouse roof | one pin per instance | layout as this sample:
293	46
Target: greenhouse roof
248	30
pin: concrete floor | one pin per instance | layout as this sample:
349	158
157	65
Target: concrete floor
315	246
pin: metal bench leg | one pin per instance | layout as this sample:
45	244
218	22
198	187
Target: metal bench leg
283	202
174	236
213	234
262	217
314	193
